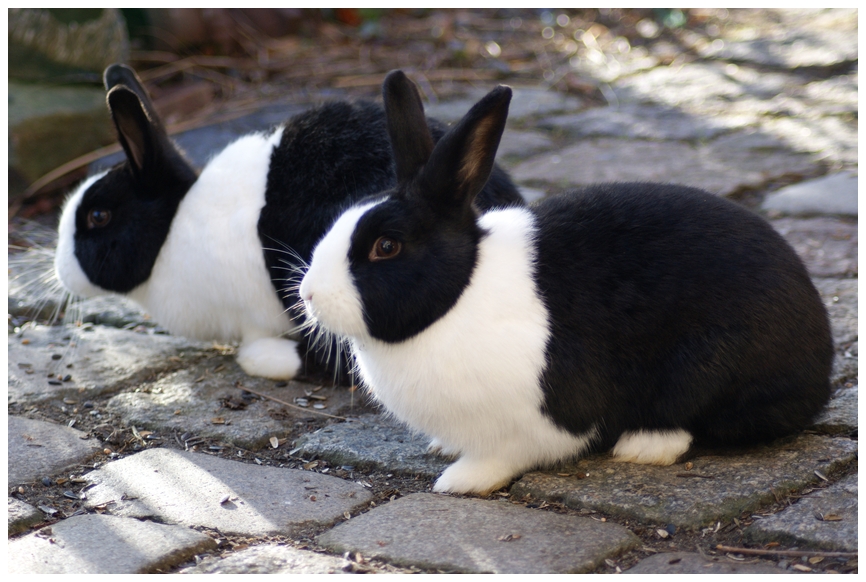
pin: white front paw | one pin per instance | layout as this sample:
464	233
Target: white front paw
480	476
270	357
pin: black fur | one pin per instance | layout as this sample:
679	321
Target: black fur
673	308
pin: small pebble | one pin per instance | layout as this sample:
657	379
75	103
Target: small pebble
67	377
55	382
70	495
56	356
47	482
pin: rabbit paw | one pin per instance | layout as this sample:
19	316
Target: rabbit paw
652	447
479	476
270	357
440	450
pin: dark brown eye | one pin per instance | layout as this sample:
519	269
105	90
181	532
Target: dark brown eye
385	248
97	218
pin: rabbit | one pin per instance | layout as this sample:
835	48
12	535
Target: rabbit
212	255
638	318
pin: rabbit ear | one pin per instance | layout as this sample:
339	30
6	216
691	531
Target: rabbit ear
137	133
118	74
462	160
411	141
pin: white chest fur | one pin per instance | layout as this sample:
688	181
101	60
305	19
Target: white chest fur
210	280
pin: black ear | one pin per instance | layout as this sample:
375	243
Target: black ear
138	135
118	74
462	160
411	140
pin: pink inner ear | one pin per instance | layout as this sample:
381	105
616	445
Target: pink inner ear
134	138
476	151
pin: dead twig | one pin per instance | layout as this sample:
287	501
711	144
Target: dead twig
284	403
788	553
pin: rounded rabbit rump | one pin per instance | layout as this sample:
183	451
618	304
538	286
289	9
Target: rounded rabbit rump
634	317
218	254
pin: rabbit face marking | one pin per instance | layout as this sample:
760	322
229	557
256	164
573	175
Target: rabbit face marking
327	290
66	264
647	447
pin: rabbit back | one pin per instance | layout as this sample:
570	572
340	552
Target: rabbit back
672	309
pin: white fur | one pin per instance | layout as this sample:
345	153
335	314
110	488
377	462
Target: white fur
210	281
65	263
337	306
652	447
270	357
470	380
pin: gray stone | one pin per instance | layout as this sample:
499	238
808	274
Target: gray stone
719	486
840	299
187	488
833	141
98	359
374	442
525	102
686	563
103	544
42	449
640	121
804	38
840	416
833	194
270	559
206	399
693	87
724	166
473	535
519	144
827	245
111	311
22	516
825	519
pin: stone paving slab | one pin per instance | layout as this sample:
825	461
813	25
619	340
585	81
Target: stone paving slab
374	442
22	516
825	519
800	38
97	360
525	102
686	563
840	416
189	488
723	166
828	246
103	544
473	535
718	487
840	298
270	559
207	400
832	194
643	121
38	449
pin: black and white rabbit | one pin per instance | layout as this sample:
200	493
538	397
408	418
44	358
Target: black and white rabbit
638	317
210	255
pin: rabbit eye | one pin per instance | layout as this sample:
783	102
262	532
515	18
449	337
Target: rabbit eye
97	218
385	248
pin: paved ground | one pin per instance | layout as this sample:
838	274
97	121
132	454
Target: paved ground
134	451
